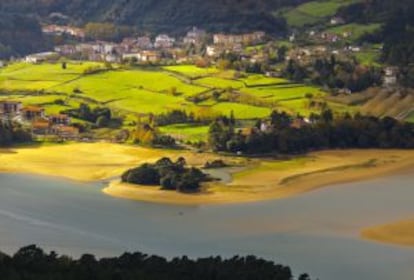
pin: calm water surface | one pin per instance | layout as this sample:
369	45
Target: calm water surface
316	232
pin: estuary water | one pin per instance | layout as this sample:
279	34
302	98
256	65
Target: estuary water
316	232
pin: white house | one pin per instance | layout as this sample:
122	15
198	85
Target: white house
164	41
40	57
390	77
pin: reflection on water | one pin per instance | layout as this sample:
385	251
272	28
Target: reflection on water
316	232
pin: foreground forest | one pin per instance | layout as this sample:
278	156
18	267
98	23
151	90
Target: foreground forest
31	262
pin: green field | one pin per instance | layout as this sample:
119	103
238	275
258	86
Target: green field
356	30
259	80
191	70
314	12
186	132
23	76
242	111
113	84
369	57
215	82
140	91
279	93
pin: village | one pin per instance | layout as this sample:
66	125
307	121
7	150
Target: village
197	43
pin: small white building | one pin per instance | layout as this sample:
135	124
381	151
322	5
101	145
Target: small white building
40	57
195	36
211	51
337	21
164	41
390	77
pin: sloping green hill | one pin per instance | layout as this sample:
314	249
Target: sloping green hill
314	12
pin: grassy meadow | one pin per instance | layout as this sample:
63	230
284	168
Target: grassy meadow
314	12
133	91
356	30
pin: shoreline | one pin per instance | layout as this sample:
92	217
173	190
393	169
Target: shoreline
260	179
262	187
400	233
85	162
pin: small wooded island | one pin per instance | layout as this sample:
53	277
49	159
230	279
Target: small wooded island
167	174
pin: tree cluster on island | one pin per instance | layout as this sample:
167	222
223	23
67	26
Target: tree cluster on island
31	263
167	174
323	131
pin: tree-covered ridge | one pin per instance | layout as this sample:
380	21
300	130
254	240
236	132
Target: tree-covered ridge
19	34
164	15
397	33
31	263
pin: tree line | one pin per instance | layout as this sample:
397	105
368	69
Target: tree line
12	133
287	135
334	74
99	116
31	263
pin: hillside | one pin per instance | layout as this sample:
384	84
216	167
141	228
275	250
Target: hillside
164	15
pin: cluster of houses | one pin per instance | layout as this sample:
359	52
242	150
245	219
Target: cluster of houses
58	30
144	48
35	118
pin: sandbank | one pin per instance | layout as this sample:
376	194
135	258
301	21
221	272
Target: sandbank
272	179
400	233
86	161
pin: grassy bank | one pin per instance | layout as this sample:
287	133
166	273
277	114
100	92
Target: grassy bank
270	179
258	179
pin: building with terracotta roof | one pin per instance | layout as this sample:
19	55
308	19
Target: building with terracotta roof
59	119
66	132
41	127
32	113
